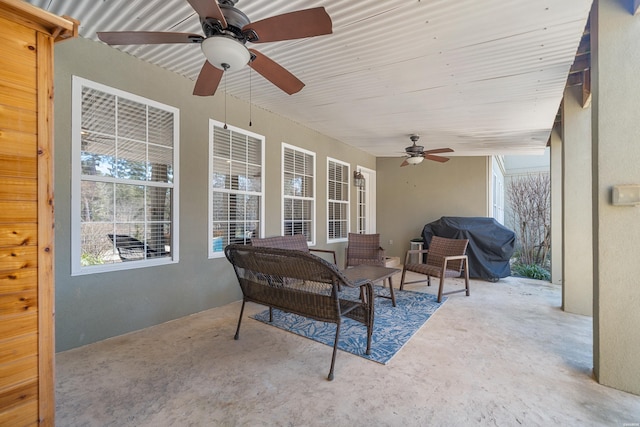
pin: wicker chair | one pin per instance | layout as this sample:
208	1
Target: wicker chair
364	249
295	242
299	282
445	258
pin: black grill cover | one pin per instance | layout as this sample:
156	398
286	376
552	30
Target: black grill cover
491	244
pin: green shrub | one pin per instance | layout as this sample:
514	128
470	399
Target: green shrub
90	259
532	271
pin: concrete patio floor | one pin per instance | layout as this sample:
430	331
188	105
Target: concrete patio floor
506	355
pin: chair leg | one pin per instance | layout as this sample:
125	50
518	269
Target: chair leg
441	288
335	351
235	337
466	276
402	278
393	296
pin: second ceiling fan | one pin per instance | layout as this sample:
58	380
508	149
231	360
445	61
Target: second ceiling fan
416	153
226	31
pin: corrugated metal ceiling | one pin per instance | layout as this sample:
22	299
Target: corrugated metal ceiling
481	77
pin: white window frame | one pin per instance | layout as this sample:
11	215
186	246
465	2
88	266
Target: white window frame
366	210
346	202
311	198
211	242
78	84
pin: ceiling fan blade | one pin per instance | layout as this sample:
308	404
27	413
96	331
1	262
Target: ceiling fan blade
404	163
289	26
208	9
436	158
275	73
208	80
147	37
438	150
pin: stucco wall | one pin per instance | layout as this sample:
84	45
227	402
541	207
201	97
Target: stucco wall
410	197
94	307
577	291
616	90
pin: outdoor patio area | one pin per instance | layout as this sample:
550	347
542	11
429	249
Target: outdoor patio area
507	355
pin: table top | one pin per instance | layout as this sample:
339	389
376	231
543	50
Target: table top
369	272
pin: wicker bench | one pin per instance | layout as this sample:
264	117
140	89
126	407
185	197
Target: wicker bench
302	283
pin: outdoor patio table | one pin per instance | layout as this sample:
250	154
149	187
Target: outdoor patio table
375	274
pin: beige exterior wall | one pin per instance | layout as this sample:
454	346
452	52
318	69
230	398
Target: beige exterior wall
410	197
615	38
97	306
577	283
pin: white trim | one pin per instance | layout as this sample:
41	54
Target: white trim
78	83
370	194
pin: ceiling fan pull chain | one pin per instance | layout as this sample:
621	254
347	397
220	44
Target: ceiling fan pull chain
225	94
250	96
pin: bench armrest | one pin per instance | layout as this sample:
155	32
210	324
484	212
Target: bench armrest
326	251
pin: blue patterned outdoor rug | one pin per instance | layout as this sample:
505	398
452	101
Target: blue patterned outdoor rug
392	327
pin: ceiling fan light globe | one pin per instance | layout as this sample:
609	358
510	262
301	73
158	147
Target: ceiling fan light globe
415	160
221	50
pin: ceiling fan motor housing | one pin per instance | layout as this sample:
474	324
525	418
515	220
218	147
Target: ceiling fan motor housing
414	150
235	18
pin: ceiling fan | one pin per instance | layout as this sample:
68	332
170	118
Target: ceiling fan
416	153
226	31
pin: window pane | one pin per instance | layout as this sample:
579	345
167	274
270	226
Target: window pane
132	120
222	143
220	202
95	246
98	112
221	174
96	201
254	178
129	206
98	154
307	186
238	147
158	204
288	184
254	153
331	187
160	127
161	164
132	160
238	178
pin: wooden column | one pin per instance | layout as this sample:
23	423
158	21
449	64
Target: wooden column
27	35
